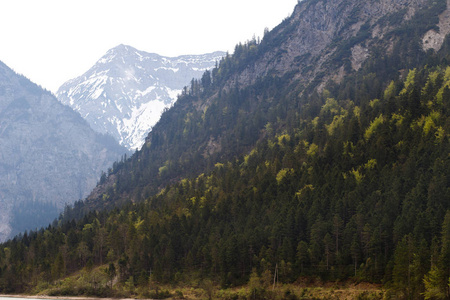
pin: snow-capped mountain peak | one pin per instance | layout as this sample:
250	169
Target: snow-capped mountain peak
126	91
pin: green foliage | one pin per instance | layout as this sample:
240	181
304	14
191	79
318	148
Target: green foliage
162	170
338	121
331	106
445	85
389	92
371	164
358	175
433	286
401	273
409	82
283	173
313	149
374	125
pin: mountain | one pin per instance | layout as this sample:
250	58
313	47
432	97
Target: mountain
228	110
320	153
49	156
126	91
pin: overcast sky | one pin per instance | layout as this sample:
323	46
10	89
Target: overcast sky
52	41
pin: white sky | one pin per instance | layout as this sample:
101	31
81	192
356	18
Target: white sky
52	41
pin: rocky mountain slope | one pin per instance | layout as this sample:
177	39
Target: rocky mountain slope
126	91
325	40
226	112
48	153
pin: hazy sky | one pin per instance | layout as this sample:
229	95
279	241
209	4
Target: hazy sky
51	41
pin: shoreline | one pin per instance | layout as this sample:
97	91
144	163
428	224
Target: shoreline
60	297
327	290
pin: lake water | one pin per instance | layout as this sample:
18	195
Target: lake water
20	298
17	298
40	298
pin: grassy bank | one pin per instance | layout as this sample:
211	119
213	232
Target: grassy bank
97	283
291	291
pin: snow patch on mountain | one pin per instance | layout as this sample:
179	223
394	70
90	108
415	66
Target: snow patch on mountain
141	118
126	91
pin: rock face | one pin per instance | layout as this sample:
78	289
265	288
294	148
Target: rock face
48	153
126	91
308	43
435	39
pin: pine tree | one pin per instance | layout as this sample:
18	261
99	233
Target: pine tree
444	259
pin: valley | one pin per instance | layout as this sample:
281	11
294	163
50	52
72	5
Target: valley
315	159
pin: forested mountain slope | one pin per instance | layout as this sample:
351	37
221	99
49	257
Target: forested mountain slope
333	164
272	82
360	191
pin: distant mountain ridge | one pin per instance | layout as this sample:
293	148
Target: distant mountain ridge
49	155
126	91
